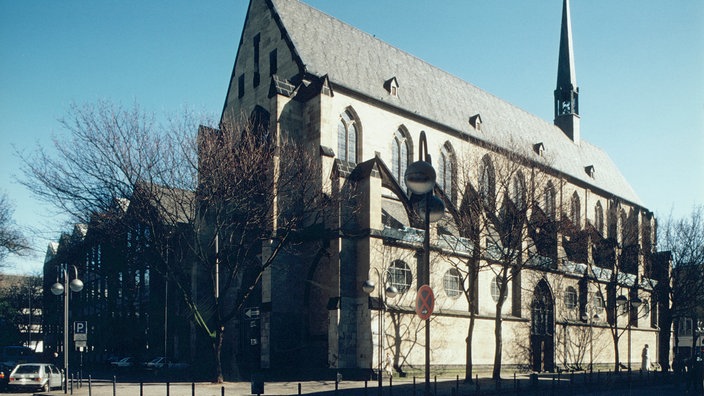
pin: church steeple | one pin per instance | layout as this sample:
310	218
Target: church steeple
567	92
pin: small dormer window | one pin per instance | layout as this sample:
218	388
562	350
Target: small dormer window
589	170
391	86
476	122
539	148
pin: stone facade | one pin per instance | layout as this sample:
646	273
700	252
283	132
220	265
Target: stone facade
364	123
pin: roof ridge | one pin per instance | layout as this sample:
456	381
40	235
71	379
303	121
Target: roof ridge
338	47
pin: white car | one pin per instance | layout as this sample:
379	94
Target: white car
42	376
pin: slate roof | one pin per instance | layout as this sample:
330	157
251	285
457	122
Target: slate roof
362	63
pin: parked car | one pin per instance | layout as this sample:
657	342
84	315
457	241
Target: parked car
4	376
123	363
42	376
156	363
161	362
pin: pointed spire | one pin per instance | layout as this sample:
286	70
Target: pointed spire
567	92
566	77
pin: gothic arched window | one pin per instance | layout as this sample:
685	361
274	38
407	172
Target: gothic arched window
518	191
599	218
542	310
575	210
550	201
446	170
347	137
399	156
487	187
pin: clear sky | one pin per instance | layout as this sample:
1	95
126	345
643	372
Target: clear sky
639	65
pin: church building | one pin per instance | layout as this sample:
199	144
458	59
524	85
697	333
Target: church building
541	234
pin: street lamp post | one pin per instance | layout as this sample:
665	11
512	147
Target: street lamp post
76	285
391	291
420	179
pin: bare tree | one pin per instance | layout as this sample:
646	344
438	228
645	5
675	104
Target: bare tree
12	240
684	239
503	218
224	202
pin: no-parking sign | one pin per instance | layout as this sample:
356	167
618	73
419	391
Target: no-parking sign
425	302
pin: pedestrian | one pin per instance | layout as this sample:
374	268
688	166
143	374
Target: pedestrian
645	359
389	366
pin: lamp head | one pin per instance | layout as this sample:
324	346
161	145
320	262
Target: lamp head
621	300
391	291
437	208
57	289
636	302
368	286
76	285
420	177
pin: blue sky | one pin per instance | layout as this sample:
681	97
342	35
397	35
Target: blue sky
639	65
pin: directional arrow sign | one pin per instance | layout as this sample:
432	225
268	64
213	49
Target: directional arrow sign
252	312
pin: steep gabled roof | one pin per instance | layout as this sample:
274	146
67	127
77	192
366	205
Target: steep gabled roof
361	63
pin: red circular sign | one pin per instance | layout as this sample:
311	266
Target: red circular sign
425	302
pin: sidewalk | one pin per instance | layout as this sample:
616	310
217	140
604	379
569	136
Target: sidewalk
524	384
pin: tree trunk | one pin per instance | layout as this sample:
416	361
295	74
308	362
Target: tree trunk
498	322
468	362
614	334
217	348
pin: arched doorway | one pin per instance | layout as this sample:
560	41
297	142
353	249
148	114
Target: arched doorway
542	330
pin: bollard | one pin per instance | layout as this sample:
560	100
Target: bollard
71	383
435	385
457	385
90	387
477	382
141	388
391	385
193	389
114	385
168	385
365	387
222	390
414	385
257	384
299	386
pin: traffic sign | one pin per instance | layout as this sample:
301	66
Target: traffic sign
80	327
425	302
80	331
252	313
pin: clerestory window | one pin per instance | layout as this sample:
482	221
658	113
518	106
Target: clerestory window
347	137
